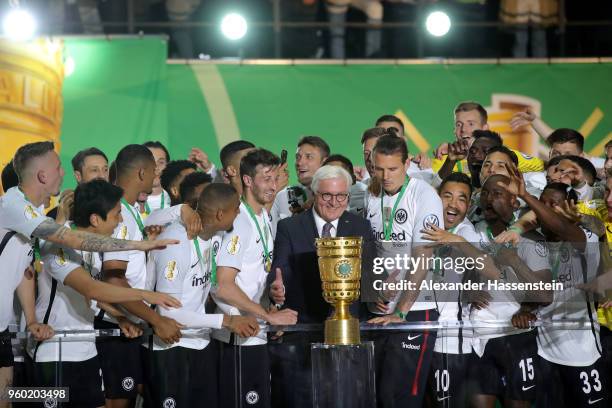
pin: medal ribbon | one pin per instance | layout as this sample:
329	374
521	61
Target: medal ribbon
388	226
263	241
136	216
213	261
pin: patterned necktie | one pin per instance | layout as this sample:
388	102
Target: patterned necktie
327	230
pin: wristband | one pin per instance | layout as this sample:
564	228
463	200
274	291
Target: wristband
516	229
400	314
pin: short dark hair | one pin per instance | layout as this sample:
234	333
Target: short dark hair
189	184
585	164
503	149
229	150
390	145
317	142
172	171
26	153
468	106
389	118
131	156
372	133
346	162
9	177
254	158
565	135
79	159
608	145
158	145
456	177
567	191
554	161
94	197
488	134
215	196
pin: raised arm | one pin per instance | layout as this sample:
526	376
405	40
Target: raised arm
49	230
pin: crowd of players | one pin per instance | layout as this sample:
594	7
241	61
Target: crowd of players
185	253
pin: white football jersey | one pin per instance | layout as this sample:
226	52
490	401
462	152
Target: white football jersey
243	249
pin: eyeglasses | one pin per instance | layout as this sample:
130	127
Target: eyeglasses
340	197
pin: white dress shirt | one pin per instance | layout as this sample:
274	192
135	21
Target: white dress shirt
320	222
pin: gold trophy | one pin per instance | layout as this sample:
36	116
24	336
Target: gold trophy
340	270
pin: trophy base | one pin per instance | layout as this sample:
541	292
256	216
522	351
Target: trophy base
342	331
343	376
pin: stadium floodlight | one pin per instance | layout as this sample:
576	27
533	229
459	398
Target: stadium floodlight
19	25
438	23
234	26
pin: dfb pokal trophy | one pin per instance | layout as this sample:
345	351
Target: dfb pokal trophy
342	367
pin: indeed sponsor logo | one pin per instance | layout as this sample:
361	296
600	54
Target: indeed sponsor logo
380	236
410	346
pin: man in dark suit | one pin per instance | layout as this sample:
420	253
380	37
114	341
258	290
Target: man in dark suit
296	283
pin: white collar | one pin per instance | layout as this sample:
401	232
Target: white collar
320	222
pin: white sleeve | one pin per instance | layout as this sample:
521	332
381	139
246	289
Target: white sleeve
234	244
164	216
60	262
194	320
428	211
20	216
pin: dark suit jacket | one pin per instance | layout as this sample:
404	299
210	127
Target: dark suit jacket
295	253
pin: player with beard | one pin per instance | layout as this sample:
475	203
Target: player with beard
245	259
504	364
404	207
181	373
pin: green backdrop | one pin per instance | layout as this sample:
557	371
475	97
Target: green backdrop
124	91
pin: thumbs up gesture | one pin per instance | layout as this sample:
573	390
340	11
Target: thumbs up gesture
277	288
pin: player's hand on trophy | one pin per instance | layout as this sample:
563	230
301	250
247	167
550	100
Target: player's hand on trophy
284	317
277	288
244	326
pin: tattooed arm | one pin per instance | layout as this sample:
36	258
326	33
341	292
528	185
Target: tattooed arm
87	241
